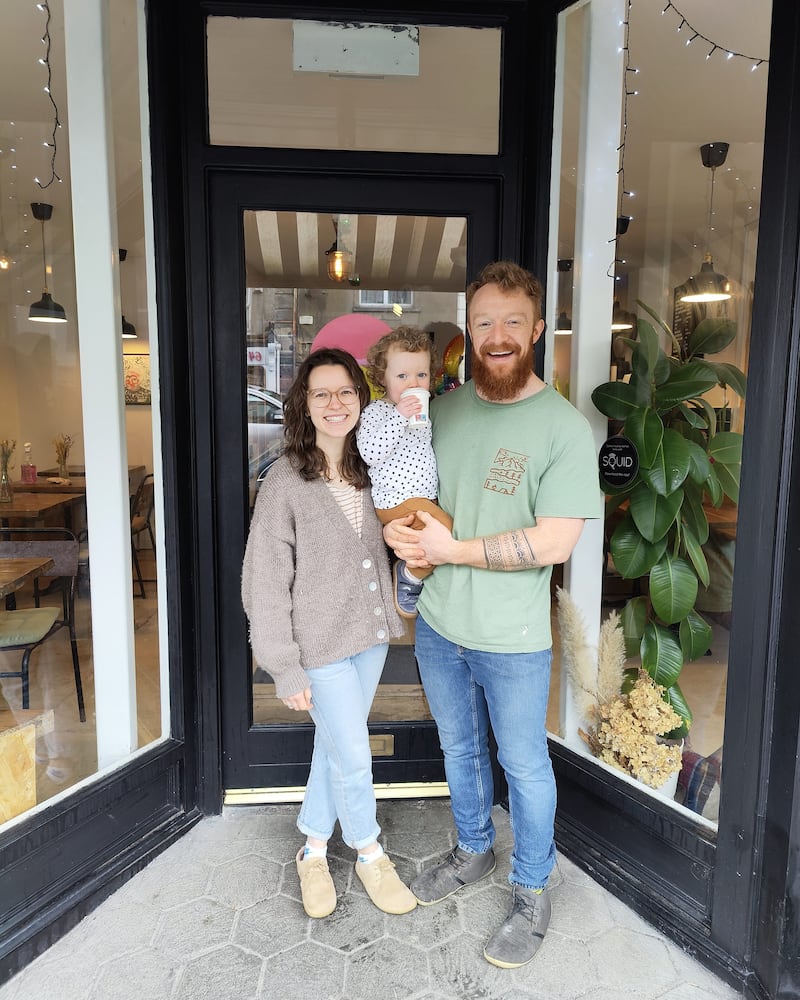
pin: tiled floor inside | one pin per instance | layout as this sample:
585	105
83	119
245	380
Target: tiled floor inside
217	917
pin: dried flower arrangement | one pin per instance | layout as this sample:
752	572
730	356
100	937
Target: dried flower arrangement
63	445
627	719
7	447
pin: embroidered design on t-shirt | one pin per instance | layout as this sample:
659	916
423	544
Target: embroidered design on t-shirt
506	472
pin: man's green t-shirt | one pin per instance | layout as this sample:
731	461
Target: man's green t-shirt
502	465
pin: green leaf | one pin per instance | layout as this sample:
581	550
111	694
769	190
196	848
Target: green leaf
645	430
676	698
673	588
714	487
616	400
711	416
699	463
662	370
634	619
646	349
692	417
652	514
677	459
695	552
686	382
730	375
711	336
692	513
633	555
661	323
726	453
726	448
661	654
696	635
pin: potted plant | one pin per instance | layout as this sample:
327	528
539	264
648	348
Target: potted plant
685	461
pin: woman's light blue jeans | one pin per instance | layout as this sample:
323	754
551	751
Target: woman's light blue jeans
466	690
340	780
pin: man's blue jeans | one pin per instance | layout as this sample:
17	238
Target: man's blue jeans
466	689
340	781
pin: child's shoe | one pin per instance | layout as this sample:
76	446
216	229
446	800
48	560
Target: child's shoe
405	593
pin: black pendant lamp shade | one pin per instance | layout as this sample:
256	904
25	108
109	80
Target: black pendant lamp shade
45	310
707	285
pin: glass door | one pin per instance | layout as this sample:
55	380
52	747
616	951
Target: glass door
302	278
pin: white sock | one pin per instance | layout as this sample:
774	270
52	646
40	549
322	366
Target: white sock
314	852
366	859
405	574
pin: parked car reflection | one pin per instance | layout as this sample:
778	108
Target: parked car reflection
264	433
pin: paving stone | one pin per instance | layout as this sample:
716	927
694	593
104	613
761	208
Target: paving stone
386	969
429	926
562	968
423	848
460	970
579	911
155	976
355	922
228	973
193	927
169	883
244	881
271	926
626	959
39	980
694	973
307	972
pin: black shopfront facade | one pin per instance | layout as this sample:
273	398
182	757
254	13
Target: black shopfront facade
729	896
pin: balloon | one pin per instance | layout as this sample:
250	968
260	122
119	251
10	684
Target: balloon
453	354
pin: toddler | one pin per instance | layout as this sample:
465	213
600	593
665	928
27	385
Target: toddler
399	454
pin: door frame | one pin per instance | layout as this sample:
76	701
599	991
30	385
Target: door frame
276	756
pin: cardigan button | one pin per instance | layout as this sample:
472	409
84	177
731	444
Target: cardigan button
380	634
367	564
378	611
373	585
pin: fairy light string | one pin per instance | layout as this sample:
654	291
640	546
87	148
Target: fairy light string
694	35
46	41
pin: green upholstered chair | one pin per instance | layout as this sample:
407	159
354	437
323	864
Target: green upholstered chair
26	629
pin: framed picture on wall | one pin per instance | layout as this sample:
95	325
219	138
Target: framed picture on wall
136	379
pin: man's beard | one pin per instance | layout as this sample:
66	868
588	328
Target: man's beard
501	388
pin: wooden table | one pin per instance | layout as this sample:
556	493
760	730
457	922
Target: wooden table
34	506
15	573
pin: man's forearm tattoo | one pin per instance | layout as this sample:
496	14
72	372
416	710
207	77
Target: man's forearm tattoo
509	551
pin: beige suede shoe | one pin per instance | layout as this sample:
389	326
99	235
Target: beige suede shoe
384	887
316	886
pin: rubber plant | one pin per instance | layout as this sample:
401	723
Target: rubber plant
685	460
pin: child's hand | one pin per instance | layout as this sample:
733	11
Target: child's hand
408	406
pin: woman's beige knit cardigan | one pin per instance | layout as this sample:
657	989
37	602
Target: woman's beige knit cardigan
313	591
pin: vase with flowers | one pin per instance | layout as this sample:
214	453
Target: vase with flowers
7	447
63	445
627	720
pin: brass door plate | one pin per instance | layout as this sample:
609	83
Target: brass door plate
382	745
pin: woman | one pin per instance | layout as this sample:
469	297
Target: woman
318	595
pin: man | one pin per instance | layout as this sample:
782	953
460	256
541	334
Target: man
518	472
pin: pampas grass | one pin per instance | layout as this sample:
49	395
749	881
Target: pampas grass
577	656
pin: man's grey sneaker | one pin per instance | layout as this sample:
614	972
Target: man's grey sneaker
517	939
458	869
405	594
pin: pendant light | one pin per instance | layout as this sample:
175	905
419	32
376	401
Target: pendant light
708	285
620	319
128	329
45	310
339	258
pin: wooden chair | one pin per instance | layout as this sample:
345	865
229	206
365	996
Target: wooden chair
27	628
141	520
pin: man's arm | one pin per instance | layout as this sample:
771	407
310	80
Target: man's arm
550	542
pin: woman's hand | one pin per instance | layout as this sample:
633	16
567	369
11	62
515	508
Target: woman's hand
299	702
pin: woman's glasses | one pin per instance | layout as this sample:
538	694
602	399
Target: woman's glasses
347	396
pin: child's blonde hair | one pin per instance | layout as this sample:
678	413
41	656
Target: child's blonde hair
405	338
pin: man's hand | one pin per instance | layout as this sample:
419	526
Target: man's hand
405	541
436	541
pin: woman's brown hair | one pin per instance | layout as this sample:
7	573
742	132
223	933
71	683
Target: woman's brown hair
299	431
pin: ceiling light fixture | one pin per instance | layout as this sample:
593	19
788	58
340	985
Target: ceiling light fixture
128	329
620	319
707	285
45	310
339	257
